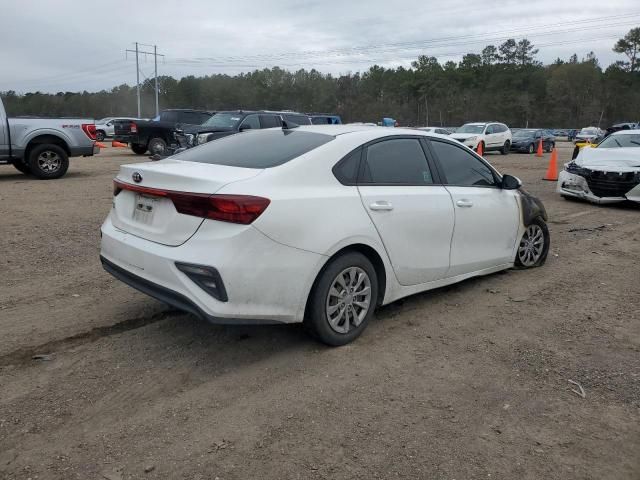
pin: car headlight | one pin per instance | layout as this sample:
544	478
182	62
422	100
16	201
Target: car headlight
203	138
471	139
189	137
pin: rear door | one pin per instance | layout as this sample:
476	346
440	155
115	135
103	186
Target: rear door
411	211
269	120
486	217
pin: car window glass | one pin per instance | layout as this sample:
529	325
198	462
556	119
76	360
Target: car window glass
169	117
250	121
460	167
297	119
270	121
397	161
490	130
256	148
346	170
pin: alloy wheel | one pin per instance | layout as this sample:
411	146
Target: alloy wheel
531	246
49	161
348	300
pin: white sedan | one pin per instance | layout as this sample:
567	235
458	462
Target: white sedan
316	224
605	173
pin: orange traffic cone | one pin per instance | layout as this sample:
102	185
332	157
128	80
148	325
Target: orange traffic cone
100	145
118	144
552	171
539	152
479	149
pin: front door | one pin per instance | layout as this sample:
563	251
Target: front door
486	217
411	212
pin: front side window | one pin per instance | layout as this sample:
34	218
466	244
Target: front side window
250	121
461	168
490	130
223	120
399	161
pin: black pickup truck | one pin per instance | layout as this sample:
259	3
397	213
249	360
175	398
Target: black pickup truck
157	135
227	123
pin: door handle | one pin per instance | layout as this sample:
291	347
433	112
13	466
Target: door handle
381	205
464	203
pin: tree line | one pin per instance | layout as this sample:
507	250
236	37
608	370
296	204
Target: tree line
503	83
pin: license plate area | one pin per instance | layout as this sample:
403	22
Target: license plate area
144	208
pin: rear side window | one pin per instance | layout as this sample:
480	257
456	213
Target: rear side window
270	121
399	161
169	117
461	168
297	119
256	149
346	170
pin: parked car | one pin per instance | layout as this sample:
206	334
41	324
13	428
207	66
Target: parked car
438	130
223	124
606	173
491	135
527	139
316	224
157	135
622	126
42	146
105	126
325	119
589	134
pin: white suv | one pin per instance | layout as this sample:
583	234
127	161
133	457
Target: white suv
492	136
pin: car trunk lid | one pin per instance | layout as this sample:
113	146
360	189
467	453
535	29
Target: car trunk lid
144	208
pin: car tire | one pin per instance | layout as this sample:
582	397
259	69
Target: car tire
100	135
21	166
334	315
48	161
533	248
138	149
532	149
157	145
505	148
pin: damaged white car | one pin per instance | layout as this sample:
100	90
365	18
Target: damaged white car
606	173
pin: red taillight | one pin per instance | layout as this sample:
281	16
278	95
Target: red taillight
90	130
133	128
242	209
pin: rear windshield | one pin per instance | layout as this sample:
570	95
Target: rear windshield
256	149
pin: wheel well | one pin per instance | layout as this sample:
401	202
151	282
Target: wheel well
373	257
43	140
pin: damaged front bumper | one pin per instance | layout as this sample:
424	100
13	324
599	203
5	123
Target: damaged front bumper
598	186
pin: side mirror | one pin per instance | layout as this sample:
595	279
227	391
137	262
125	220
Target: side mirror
509	182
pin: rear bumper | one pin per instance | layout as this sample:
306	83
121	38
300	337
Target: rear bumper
83	151
266	282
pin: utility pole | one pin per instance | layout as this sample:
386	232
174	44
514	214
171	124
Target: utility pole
155	74
155	54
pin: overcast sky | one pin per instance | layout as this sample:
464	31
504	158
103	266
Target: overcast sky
69	45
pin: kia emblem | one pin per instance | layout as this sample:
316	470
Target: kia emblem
136	177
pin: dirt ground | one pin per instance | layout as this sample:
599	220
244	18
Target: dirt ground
465	382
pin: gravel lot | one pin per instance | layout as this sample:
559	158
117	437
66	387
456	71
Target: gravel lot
465	382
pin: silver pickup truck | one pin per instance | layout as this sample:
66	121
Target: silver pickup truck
42	146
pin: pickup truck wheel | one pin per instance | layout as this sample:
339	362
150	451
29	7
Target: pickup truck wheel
157	145
21	166
138	149
99	135
48	161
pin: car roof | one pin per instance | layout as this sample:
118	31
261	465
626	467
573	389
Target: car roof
368	131
627	132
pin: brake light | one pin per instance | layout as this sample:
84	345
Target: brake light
243	209
89	130
133	128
